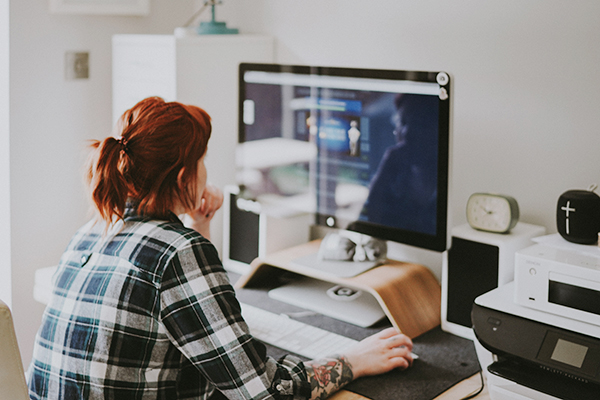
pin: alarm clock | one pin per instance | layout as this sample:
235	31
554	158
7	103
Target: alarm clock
492	212
578	216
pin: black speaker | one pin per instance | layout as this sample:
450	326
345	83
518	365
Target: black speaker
472	271
244	226
578	216
250	231
476	263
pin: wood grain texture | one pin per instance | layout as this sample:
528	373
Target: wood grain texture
408	293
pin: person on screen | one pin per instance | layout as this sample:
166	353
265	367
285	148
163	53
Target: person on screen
403	191
142	306
353	136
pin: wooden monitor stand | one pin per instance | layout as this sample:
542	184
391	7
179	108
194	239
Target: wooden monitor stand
409	294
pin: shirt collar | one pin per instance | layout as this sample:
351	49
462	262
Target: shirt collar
132	212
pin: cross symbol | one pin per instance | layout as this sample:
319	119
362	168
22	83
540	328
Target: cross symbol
567	209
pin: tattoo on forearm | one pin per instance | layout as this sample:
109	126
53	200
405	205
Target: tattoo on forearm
328	375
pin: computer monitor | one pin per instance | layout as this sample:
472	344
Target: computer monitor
363	149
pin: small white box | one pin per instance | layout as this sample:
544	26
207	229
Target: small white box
561	279
250	232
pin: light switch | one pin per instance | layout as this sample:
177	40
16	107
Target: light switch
77	65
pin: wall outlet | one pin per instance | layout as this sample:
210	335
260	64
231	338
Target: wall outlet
77	65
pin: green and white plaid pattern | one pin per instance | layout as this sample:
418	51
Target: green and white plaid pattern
146	311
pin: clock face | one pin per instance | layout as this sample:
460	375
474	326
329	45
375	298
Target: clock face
493	213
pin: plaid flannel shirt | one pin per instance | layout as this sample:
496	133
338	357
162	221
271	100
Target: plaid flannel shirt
146	311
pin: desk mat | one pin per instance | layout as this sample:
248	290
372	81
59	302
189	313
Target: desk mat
444	359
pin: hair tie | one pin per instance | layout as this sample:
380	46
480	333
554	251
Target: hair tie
123	142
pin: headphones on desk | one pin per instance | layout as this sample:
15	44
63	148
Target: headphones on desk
351	246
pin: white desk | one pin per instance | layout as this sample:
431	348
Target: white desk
42	286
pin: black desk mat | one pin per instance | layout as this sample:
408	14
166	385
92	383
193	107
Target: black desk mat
444	359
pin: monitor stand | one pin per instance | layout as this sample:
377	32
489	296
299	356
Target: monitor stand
341	302
341	269
408	293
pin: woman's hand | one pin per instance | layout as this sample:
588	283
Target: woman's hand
210	201
380	353
374	355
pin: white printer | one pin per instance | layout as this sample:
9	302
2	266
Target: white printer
538	337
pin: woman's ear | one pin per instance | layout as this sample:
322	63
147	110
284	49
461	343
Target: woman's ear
180	183
187	190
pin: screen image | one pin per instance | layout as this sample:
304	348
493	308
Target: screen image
569	353
365	150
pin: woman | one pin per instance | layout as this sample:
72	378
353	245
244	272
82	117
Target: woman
142	307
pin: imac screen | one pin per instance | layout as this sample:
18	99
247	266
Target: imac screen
364	150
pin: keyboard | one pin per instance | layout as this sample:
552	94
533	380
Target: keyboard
294	336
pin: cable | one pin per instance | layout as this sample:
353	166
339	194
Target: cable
197	14
478	391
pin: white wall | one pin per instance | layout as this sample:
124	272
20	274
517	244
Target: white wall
51	120
526	86
5	282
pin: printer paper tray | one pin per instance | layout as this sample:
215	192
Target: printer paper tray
544	381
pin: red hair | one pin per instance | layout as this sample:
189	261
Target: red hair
154	161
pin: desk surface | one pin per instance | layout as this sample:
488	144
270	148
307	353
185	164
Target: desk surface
446	359
459	391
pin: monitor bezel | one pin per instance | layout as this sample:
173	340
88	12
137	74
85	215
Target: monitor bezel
438	242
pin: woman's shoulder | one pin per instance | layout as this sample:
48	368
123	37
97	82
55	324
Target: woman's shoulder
166	241
180	235
137	235
170	232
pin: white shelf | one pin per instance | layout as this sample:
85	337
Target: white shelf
200	70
